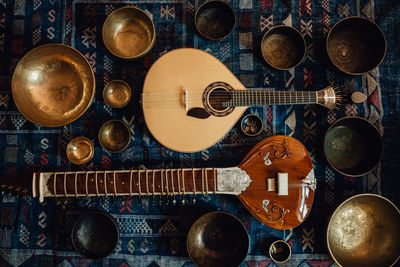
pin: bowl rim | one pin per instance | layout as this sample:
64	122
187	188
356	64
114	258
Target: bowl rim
127	128
211	2
153	40
342	204
251	115
117	81
282	241
224	213
83	138
297	33
334	124
373	23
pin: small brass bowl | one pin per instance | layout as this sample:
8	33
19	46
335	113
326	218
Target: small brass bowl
80	150
364	231
53	85
353	146
129	33
117	94
356	45
215	20
283	47
114	136
95	235
218	239
251	125
280	251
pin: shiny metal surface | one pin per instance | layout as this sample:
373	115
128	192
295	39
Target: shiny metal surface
251	124
53	85
356	45
218	239
364	231
114	136
117	94
80	150
280	251
128	33
283	47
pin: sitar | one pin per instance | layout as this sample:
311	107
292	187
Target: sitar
275	182
191	100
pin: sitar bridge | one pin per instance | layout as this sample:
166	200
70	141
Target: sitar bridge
282	181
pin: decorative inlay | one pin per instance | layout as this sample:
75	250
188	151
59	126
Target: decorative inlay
232	180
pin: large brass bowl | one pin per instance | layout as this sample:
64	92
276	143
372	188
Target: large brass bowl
218	239
364	231
53	85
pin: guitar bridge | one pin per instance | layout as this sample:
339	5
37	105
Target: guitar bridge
282	182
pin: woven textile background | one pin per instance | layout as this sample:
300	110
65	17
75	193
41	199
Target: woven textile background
34	234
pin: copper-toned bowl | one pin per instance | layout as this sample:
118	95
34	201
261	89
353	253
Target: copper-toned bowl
80	150
114	136
53	85
117	94
364	231
129	33
356	45
218	239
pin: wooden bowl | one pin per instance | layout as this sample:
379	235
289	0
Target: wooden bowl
218	239
80	150
117	94
129	33
364	231
114	136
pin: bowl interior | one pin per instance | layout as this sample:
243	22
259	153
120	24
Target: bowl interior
80	150
117	94
128	32
215	20
114	136
283	47
363	231
95	235
353	146
356	45
217	239
251	124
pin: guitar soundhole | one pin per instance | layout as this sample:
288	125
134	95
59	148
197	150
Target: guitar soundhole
219	99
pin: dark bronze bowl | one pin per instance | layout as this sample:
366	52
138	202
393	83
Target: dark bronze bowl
251	125
95	235
218	239
114	136
356	45
283	47
353	146
364	231
215	20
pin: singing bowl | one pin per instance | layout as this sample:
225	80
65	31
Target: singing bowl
364	231
218	239
95	235
251	125
53	85
283	47
117	94
215	20
352	146
114	136
128	33
356	45
80	150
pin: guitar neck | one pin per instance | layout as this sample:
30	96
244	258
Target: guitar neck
163	182
262	97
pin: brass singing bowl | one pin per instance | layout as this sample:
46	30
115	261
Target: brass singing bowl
53	85
129	33
80	150
364	231
356	45
218	239
114	136
117	94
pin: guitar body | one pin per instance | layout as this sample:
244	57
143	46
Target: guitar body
174	85
285	155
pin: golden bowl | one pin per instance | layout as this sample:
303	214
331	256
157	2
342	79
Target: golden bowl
114	136
80	150
364	231
129	33
53	85
117	94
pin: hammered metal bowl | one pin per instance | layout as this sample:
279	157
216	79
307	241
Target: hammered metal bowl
128	33
356	45
95	235
80	150
218	239
53	85
114	136
364	231
117	94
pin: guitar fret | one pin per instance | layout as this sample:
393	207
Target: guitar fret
172	182
206	182
65	184
86	182
139	185
130	182
162	186
194	183
97	185
115	184
183	181
166	182
76	184
55	183
105	183
215	181
147	182
202	181
154	187
179	182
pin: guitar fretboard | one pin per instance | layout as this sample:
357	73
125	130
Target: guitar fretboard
262	97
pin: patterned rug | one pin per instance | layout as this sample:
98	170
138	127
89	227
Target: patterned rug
38	234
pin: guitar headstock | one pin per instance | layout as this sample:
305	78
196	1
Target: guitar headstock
16	183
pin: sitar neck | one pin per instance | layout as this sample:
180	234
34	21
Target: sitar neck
262	97
163	182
